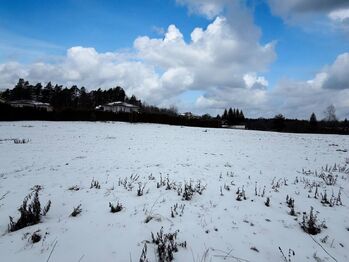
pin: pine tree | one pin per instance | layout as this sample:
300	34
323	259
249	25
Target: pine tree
230	116
225	115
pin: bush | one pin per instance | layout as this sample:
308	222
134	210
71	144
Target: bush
21	141
309	224
35	237
95	184
166	245
117	208
31	214
190	190
77	210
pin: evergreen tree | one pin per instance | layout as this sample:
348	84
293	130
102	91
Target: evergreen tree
225	115
242	117
230	116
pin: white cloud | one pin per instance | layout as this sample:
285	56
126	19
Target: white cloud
293	7
209	8
253	81
340	15
329	86
312	12
224	61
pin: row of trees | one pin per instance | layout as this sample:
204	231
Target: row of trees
79	104
329	124
330	119
67	98
233	116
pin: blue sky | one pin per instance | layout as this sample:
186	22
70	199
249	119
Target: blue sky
105	25
43	31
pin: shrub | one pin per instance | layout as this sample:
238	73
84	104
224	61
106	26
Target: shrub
95	184
291	253
241	195
31	213
309	223
140	189
143	257
35	237
117	208
21	141
166	245
177	210
190	190
76	211
74	188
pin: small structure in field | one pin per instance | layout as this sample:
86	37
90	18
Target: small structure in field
118	107
31	104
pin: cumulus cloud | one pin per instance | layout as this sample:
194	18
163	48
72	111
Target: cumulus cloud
223	61
341	15
298	11
208	8
303	6
329	86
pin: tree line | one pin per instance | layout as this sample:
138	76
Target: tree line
62	98
233	116
74	103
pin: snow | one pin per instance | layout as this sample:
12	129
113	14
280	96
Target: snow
215	227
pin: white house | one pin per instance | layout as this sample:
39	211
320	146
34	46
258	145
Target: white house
117	107
31	104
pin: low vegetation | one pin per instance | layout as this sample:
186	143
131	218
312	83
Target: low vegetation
31	212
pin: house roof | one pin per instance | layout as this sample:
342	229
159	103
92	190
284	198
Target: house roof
120	103
28	102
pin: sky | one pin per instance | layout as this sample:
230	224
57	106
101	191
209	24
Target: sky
263	56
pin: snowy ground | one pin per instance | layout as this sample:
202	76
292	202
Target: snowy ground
215	226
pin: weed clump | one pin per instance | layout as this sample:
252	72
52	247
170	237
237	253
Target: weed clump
21	141
31	213
291	254
140	189
309	223
241	195
166	245
76	211
35	237
190	190
74	188
95	184
115	208
177	210
143	257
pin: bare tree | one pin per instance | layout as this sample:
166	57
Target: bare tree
330	114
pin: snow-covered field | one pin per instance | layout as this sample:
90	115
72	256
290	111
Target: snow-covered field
214	224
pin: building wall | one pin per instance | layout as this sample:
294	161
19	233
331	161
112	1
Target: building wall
117	109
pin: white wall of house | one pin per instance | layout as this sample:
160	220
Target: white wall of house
118	108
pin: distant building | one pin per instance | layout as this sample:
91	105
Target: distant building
31	104
238	127
189	115
225	125
118	107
